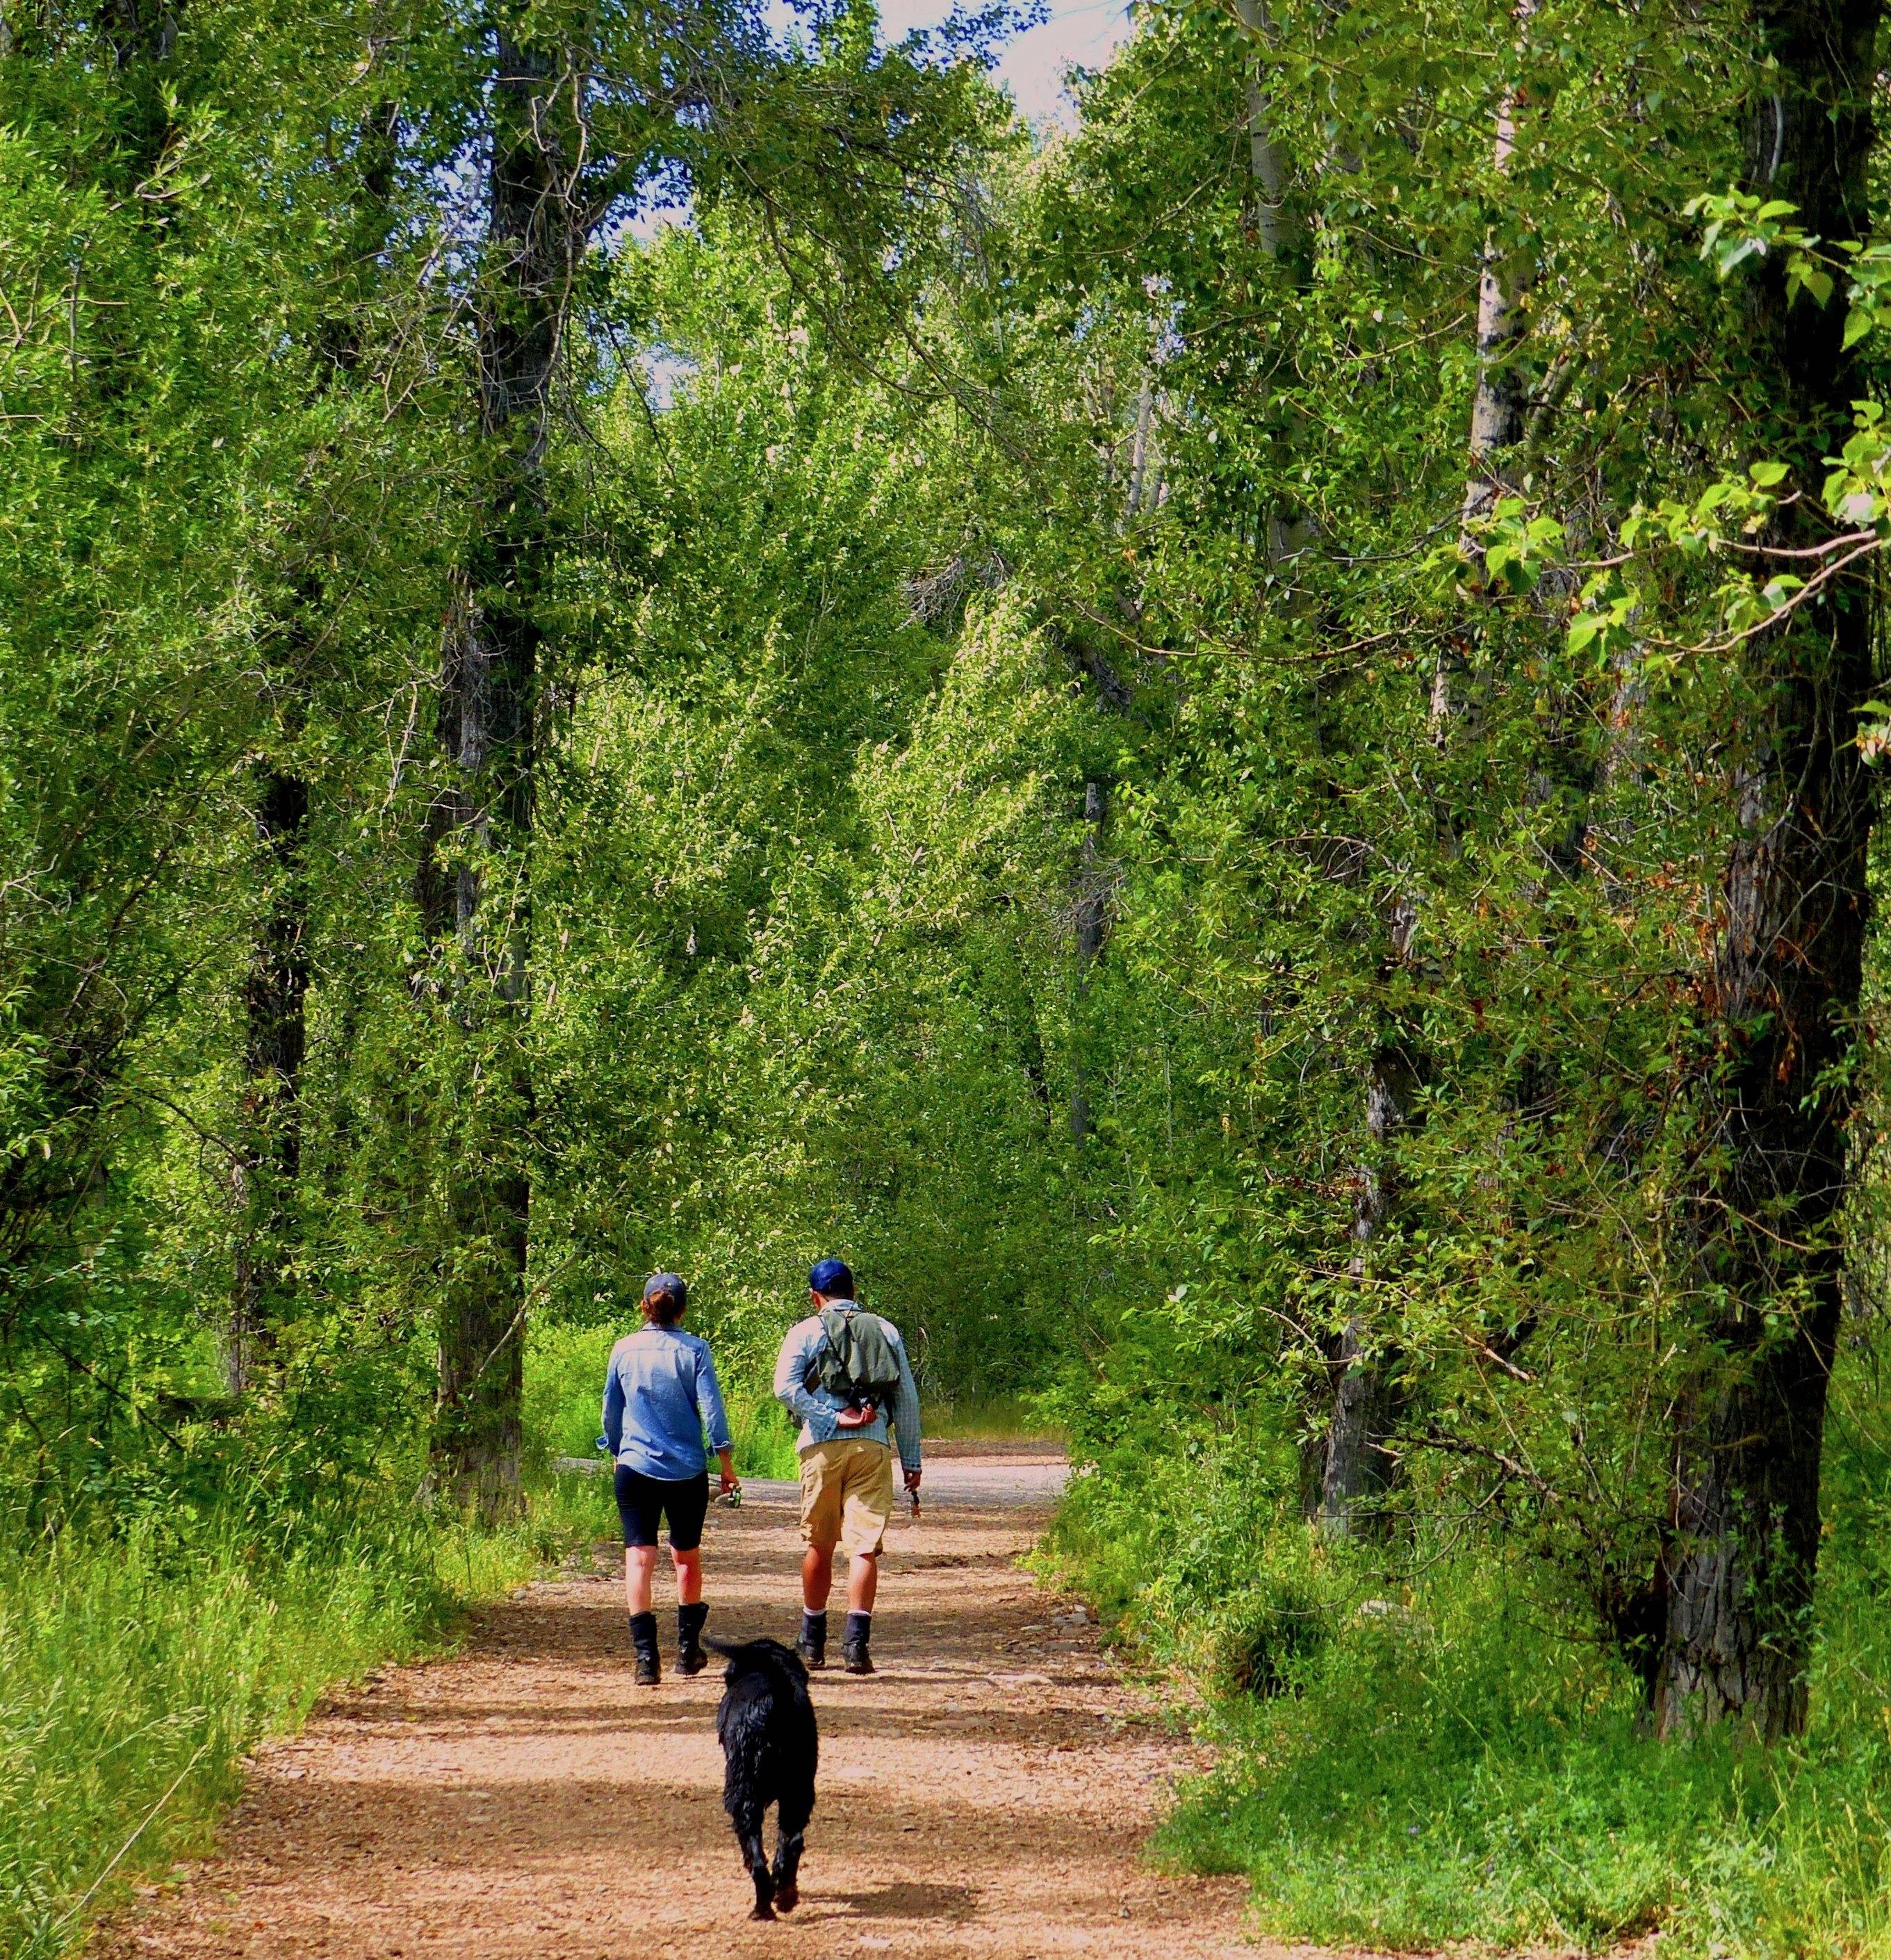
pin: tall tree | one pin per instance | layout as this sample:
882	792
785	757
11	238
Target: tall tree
1358	1466
475	880
268	1160
1784	984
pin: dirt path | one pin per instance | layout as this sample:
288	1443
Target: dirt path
986	1793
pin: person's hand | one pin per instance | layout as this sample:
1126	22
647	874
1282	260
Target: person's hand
912	1481
855	1418
730	1481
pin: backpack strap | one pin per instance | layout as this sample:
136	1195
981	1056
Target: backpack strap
811	1373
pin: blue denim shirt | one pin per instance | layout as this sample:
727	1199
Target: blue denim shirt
660	1394
814	1408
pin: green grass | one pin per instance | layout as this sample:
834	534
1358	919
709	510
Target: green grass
136	1671
1410	1763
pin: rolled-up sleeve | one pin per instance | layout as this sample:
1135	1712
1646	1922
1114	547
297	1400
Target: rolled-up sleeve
906	1410
613	1408
814	1408
709	1403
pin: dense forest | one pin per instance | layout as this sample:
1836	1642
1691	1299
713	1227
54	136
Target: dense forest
1238	748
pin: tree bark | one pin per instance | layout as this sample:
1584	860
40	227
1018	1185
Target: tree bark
1272	226
1091	915
269	1157
474	881
1357	1468
269	1153
1497	404
1786	971
1357	1465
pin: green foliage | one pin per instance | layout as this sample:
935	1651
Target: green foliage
1046	772
1416	1753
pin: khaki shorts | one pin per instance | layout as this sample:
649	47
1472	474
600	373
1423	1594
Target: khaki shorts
847	1494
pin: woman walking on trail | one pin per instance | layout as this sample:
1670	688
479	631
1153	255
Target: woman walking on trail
660	1396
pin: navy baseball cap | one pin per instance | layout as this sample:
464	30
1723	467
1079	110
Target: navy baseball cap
832	1277
667	1283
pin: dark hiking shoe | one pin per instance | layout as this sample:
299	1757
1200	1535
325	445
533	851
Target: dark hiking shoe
812	1646
854	1656
690	1657
649	1670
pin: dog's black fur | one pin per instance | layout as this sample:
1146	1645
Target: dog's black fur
771	1747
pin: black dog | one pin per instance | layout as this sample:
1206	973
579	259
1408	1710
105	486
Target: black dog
771	1744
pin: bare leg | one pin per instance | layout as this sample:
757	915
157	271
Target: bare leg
639	1569
817	1578
689	1576
864	1582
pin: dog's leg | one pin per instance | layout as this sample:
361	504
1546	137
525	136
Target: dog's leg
787	1869
747	1823
791	1824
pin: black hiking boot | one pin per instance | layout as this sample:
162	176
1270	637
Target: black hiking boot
644	1638
690	1657
812	1646
854	1656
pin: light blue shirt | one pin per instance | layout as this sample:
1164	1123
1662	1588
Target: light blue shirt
660	1394
815	1408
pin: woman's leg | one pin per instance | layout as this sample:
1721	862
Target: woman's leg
639	1569
689	1577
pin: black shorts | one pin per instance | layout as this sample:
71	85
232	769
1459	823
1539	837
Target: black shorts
644	1502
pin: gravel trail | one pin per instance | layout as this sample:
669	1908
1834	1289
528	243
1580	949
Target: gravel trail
987	1793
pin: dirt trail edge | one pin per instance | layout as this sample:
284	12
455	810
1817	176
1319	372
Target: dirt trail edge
987	1793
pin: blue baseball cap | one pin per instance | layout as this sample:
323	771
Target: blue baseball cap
832	1278
669	1283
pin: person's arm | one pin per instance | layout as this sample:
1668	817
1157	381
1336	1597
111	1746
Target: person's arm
814	1408
715	1418
613	1410
904	1416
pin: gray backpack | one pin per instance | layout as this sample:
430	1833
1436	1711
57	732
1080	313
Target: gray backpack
855	1361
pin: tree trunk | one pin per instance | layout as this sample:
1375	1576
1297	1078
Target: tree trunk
474	882
269	1159
1357	1465
1092	894
269	1156
1497	408
1265	170
1357	1468
1786	971
1497	405
1352	1466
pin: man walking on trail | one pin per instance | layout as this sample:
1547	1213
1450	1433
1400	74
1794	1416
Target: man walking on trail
843	1375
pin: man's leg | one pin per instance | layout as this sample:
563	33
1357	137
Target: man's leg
817	1582
870	1506
817	1577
